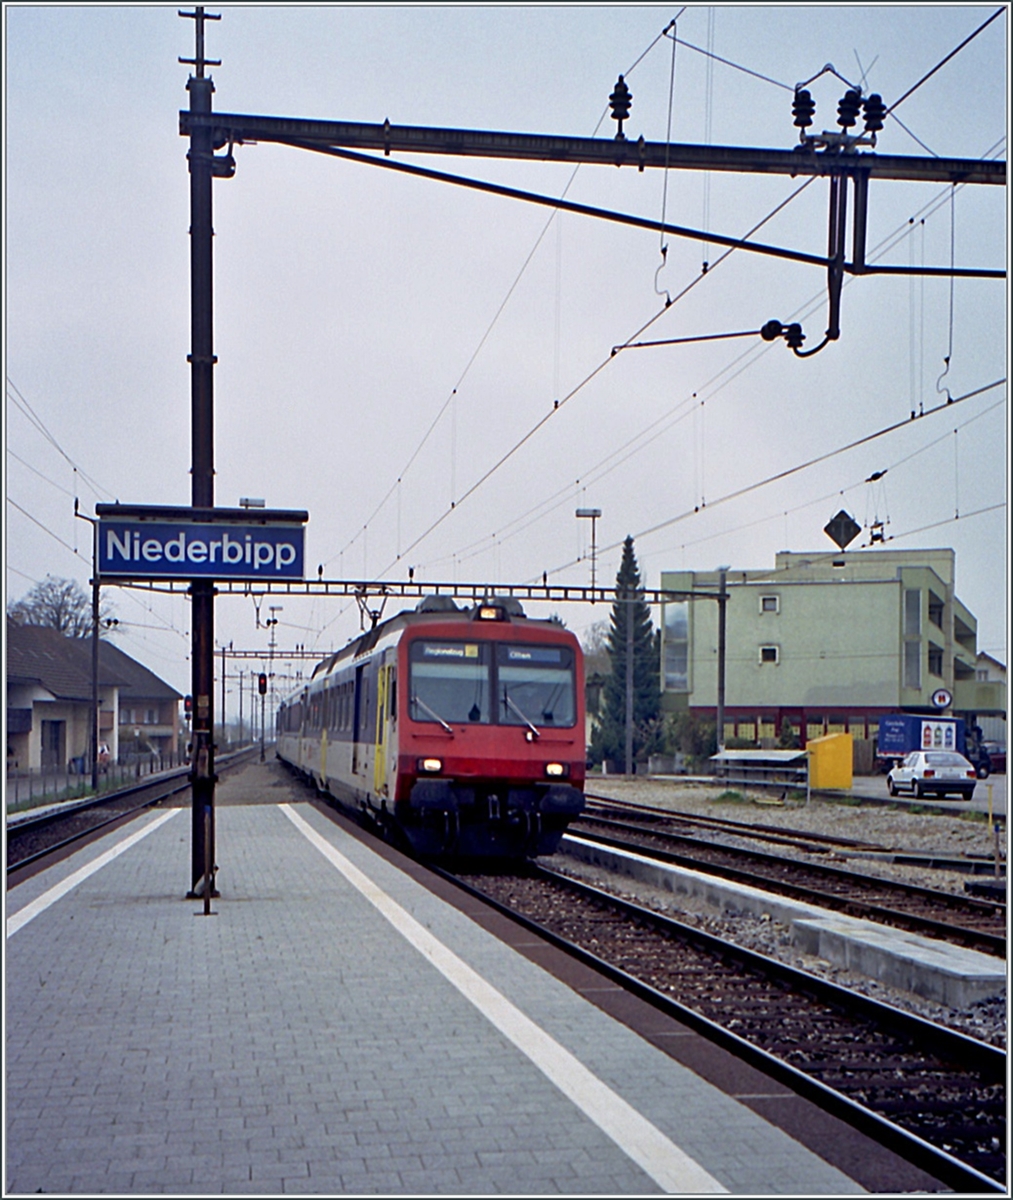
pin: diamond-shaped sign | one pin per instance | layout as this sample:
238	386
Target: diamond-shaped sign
842	529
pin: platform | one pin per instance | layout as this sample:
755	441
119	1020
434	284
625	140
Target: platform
338	1028
935	970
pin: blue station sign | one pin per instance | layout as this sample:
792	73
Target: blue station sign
162	543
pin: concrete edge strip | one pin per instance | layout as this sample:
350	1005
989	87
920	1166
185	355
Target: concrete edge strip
669	1166
31	910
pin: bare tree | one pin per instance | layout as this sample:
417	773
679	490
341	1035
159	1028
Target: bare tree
61	604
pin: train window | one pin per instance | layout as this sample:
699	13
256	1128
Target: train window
535	685
449	682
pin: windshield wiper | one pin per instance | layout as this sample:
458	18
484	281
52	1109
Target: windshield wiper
507	699
435	715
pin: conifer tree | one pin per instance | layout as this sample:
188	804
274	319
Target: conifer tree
609	739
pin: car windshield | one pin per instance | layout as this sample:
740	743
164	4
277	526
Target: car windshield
449	682
534	685
453	682
945	760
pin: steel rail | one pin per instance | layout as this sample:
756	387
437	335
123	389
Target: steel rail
990	943
979	1056
54	816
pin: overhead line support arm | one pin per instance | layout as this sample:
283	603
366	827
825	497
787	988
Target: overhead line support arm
416	139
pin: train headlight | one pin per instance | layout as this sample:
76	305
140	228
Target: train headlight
490	612
556	770
431	766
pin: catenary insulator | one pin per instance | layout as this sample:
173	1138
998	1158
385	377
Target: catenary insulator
620	101
803	108
875	111
847	109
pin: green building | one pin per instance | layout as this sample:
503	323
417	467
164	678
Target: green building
826	643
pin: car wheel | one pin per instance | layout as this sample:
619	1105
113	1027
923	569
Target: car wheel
919	791
891	787
983	772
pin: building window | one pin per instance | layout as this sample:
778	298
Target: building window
126	716
935	659
770	604
769	654
677	646
912	613
912	664
151	717
981	675
935	610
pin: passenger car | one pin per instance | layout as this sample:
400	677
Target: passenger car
933	771
457	732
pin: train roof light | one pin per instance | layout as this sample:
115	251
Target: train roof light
490	612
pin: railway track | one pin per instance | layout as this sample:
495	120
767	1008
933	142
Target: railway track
935	1096
978	924
37	837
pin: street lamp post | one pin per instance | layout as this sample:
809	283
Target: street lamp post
722	603
591	514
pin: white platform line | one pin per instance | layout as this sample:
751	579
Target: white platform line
669	1166
21	918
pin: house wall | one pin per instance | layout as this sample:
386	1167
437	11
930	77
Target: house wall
841	636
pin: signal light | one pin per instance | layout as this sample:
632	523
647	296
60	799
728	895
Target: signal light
875	111
188	707
803	108
262	684
847	109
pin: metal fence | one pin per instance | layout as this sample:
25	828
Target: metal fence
34	788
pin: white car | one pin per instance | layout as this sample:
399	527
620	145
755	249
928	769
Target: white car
935	772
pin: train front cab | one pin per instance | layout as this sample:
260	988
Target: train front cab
491	736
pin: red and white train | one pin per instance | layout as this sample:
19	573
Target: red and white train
457	732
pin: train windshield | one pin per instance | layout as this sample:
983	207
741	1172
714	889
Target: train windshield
534	685
449	682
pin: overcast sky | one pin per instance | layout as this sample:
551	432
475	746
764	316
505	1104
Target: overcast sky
354	306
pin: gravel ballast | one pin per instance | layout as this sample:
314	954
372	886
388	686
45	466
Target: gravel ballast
936	834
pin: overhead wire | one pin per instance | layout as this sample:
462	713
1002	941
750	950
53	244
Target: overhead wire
794	470
675	415
840	491
495	319
592	375
23	405
588	378
816	460
942	62
754	351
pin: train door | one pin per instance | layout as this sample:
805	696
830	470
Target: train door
380	753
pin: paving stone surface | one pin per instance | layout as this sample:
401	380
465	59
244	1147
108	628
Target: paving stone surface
295	1042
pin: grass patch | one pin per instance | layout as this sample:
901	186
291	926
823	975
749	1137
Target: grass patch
730	797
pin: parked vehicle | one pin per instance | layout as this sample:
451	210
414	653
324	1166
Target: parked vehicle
901	733
933	772
997	756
